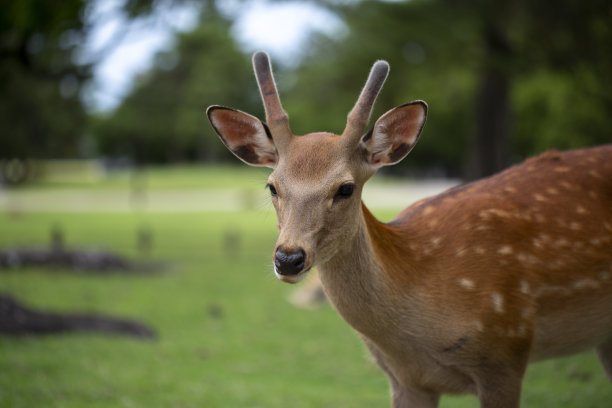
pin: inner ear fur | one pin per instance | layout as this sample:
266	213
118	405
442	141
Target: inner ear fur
395	133
244	135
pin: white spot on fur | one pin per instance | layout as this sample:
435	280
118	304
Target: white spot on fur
428	210
585	284
539	197
527	258
595	241
595	173
498	302
581	210
467	283
505	250
525	289
479	250
541	240
561	242
484	215
539	217
478	325
551	190
460	252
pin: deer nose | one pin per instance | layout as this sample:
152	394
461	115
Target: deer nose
289	262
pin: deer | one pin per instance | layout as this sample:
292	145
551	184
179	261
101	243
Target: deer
460	291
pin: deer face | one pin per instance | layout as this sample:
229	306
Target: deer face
315	188
318	178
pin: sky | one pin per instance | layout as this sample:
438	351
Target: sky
278	28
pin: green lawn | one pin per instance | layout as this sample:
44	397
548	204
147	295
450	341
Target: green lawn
227	335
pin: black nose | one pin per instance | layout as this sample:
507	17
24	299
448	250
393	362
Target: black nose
289	262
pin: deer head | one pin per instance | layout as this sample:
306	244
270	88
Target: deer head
317	179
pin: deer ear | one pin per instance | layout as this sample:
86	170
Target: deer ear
244	135
395	133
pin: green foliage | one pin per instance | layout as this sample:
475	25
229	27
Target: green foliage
40	113
42	75
430	60
163	119
553	56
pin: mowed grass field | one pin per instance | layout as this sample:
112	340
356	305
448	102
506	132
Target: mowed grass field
227	336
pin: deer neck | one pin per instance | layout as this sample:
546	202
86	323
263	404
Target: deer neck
357	281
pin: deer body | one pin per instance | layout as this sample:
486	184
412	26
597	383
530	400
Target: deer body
460	291
507	283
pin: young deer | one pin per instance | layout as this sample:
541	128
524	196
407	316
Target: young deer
460	291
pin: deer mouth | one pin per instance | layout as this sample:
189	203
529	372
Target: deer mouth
291	278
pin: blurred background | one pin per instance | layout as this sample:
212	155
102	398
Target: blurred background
118	202
127	82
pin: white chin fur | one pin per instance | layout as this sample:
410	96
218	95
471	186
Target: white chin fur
291	278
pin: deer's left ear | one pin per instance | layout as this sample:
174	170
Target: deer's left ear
395	133
244	135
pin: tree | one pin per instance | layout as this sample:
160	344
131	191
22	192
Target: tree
41	112
163	119
503	79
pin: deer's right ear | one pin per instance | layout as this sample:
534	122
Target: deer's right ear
244	135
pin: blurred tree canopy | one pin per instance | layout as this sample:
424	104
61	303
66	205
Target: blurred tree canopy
40	112
163	119
503	80
41	73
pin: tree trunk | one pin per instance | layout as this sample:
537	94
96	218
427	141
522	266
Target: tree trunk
490	150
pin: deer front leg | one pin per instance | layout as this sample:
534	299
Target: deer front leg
499	387
402	397
604	352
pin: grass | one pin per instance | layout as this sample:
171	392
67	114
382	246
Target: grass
227	335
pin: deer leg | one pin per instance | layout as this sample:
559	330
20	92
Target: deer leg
403	397
500	390
604	352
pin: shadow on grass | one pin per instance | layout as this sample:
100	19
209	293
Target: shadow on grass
19	320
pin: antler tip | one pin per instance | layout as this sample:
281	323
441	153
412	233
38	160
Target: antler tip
260	57
380	69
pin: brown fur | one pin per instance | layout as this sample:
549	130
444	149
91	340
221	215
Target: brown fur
467	289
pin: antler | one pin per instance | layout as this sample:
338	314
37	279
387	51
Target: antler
276	117
359	116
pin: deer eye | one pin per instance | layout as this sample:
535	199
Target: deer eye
273	191
345	191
